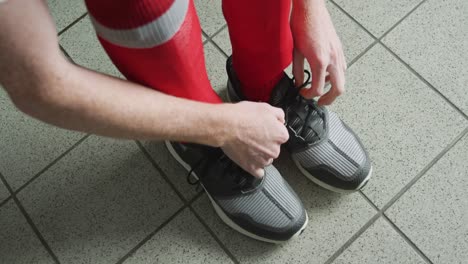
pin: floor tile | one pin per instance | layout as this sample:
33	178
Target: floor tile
28	145
99	201
210	15
3	192
174	171
378	16
65	12
216	67
333	219
433	212
402	122
433	41
354	39
82	45
185	241
18	243
223	41
379	244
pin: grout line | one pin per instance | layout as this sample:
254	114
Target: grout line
372	204
160	171
401	20
353	19
425	81
424	170
29	220
392	201
51	164
5	201
66	53
353	238
186	204
205	35
406	238
72	24
215	237
218	48
218	31
362	54
379	40
150	235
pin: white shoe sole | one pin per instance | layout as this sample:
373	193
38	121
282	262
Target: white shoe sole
327	186
221	213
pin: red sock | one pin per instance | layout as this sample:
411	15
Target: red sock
155	43
261	41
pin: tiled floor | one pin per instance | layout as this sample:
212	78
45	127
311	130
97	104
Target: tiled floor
66	197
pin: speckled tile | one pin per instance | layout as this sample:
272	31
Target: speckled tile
185	241
433	212
82	45
18	243
210	15
65	12
378	16
433	41
401	121
333	219
174	171
379	244
216	67
223	41
354	39
99	201
27	145
3	192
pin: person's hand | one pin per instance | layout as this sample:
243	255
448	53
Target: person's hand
315	39
256	132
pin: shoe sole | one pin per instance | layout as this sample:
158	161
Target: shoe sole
221	213
327	186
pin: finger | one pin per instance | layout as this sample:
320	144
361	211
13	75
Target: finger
337	82
318	81
270	161
298	68
283	136
279	114
258	172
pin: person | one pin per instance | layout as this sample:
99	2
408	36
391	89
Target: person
228	148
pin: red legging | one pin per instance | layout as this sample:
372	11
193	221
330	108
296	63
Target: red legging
157	43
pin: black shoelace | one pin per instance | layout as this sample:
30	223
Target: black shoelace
294	100
232	171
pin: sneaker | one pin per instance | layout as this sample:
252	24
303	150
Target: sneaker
266	209
323	147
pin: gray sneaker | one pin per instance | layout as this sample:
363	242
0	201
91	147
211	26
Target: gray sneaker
266	209
323	147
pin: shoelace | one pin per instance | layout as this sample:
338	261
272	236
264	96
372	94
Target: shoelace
238	176
310	105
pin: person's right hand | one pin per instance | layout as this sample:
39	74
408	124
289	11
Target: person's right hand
256	132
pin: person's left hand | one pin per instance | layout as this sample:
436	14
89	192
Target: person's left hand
315	39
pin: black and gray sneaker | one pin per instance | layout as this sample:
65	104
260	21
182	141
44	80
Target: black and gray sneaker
323	147
266	209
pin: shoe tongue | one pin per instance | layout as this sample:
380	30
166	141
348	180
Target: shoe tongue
298	110
279	92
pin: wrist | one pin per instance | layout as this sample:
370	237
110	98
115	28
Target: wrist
220	125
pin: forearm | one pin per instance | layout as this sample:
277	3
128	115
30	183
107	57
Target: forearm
75	98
